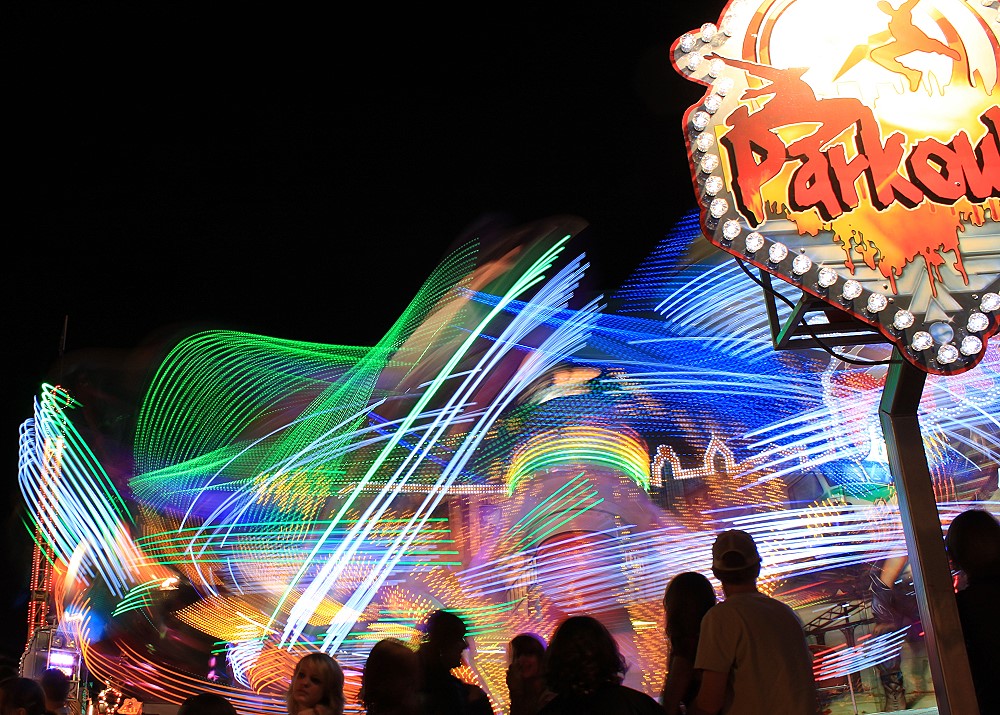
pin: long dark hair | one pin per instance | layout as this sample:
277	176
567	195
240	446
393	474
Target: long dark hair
686	600
390	681
583	657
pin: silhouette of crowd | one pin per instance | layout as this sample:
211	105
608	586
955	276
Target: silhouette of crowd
746	653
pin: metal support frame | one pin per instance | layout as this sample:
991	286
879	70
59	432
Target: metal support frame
904	384
837	328
949	663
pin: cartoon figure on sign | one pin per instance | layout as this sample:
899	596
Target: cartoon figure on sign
900	39
906	38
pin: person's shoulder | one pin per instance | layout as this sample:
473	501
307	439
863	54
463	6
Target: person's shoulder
741	606
620	699
981	591
780	611
729	608
755	600
778	603
634	702
977	604
721	613
639	696
557	705
477	700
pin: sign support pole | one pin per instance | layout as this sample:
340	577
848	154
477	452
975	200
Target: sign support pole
949	663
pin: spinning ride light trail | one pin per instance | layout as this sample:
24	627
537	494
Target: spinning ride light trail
502	452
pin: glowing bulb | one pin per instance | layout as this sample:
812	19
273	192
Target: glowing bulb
722	86
978	322
852	289
687	42
709	162
713	185
731	229
712	103
827	277
705	141
718	208
801	264
708	31
902	320
754	242
693	61
700	120
727	25
947	354
777	252
921	340
716	68
877	302
990	301
971	345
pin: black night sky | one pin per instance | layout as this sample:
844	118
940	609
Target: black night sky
299	172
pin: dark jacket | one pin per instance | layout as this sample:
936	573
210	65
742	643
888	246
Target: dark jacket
610	700
442	693
977	610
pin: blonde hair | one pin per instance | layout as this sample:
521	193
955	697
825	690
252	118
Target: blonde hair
331	676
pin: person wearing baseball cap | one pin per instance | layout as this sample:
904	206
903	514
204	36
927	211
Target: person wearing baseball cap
752	650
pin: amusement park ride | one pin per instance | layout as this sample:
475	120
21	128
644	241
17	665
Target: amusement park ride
49	646
514	459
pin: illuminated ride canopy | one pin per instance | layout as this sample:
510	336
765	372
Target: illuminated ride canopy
506	451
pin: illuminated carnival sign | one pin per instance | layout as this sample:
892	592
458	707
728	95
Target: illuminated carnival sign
851	148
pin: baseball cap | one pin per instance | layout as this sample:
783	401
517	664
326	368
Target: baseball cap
737	542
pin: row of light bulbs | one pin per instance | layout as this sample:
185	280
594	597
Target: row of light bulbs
704	141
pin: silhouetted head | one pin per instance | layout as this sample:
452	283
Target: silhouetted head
973	544
444	638
21	696
390	681
583	657
734	557
206	704
526	653
526	644
56	686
